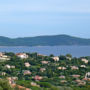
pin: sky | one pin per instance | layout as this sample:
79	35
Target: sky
27	18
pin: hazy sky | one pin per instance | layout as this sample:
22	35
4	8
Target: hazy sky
23	18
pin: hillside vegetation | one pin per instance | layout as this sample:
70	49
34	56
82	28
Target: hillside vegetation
44	41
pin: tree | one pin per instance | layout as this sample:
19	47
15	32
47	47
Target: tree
4	85
69	55
62	57
51	55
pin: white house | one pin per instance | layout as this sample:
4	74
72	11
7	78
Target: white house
83	66
42	69
62	77
85	60
34	84
87	75
27	64
3	73
22	55
74	68
26	72
8	66
44	62
55	58
38	78
4	57
62	68
76	76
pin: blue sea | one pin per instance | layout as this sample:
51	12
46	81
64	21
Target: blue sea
76	51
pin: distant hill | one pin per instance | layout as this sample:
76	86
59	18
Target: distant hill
44	41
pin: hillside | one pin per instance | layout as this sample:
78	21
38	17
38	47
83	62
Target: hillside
33	71
44	41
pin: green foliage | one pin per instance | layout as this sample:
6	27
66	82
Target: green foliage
50	76
69	55
44	41
45	84
82	88
4	85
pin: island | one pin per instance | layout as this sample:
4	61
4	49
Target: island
48	40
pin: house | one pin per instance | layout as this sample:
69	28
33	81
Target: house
12	67
63	81
3	73
83	66
74	68
80	82
38	78
44	62
15	78
85	60
26	72
8	66
1	54
86	79
62	68
62	77
75	76
34	84
22	55
55	58
69	58
27	64
87	75
12	79
42	69
41	55
4	57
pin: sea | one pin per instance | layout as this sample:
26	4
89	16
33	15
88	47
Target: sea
75	51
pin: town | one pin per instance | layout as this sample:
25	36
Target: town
33	71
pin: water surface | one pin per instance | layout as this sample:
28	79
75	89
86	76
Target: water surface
76	51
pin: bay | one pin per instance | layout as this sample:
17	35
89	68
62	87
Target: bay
76	51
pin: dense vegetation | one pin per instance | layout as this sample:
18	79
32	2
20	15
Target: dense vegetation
44	41
53	78
4	85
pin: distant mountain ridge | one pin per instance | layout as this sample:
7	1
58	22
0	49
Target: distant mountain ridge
53	40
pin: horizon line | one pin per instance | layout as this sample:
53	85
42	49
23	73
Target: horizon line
44	35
